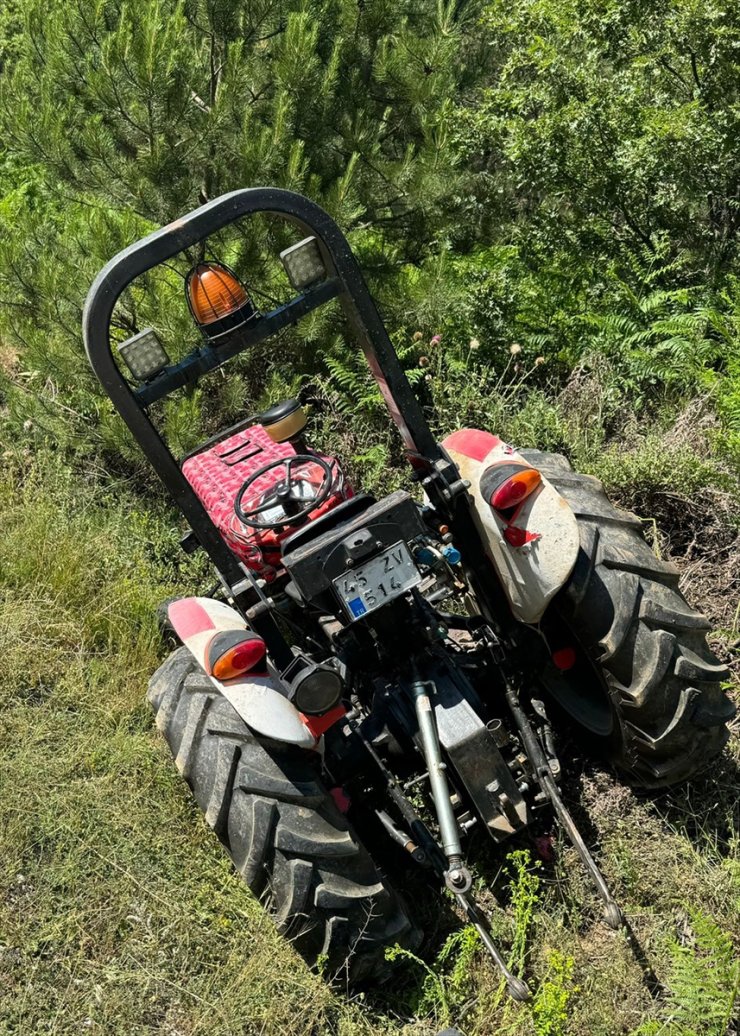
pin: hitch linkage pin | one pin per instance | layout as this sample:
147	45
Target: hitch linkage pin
416	852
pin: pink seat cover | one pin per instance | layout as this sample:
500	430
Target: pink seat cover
218	473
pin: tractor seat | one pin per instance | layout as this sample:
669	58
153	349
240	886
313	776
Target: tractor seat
218	472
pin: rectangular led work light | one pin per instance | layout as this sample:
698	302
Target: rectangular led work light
144	354
303	263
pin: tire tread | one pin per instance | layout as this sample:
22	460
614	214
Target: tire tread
281	827
625	606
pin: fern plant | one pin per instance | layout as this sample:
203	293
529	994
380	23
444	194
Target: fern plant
704	984
704	980
357	389
662	338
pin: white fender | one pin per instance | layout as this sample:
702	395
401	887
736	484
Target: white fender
257	699
531	574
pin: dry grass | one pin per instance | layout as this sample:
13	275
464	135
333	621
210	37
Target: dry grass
119	913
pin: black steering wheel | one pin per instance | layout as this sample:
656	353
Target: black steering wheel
287	494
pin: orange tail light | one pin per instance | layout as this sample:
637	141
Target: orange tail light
507	485
235	652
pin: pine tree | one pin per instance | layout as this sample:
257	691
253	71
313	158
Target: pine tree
154	106
126	113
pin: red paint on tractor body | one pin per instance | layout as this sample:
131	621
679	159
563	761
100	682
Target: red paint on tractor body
319	725
341	799
471	442
188	618
517	537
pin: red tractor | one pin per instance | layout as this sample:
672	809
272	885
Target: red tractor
377	675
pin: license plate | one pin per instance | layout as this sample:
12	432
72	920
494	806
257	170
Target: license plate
373	584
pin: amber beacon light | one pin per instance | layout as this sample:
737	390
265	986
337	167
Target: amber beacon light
218	301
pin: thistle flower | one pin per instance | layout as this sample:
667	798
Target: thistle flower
435	340
474	343
423	361
539	360
515	349
418	336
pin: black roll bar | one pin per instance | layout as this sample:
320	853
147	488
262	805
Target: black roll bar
345	282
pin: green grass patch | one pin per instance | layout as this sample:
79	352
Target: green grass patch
120	913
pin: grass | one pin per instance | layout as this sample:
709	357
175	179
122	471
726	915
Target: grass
119	912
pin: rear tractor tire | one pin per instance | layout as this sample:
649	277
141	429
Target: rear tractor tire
282	829
650	690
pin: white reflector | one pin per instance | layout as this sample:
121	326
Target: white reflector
303	263
144	354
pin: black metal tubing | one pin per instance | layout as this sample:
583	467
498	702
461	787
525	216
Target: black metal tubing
209	357
352	292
